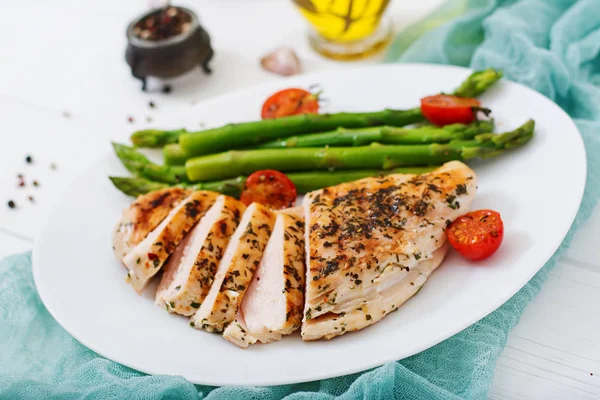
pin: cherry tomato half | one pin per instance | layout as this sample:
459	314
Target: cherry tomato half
445	110
476	235
270	188
287	102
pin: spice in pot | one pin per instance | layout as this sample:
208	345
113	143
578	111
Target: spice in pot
163	24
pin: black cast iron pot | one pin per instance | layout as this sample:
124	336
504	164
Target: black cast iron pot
170	57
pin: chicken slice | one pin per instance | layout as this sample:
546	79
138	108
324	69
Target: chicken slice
273	303
242	257
190	271
371	244
237	333
144	214
147	258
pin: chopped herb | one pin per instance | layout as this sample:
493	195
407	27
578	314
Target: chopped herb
195	305
417	256
308	316
368	317
156	263
138	260
172	304
192	324
177	287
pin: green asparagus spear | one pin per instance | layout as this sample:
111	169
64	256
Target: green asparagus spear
376	156
174	155
478	82
252	133
153	138
385	135
136	186
305	181
141	166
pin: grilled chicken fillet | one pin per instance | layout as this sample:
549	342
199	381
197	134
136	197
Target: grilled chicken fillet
147	258
191	269
273	303
240	261
143	216
371	244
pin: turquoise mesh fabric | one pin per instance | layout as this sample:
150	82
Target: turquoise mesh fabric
553	47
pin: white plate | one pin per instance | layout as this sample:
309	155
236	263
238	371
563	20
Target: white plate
83	287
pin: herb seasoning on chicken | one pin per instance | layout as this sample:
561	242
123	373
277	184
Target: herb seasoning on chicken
240	261
147	258
190	271
273	304
371	244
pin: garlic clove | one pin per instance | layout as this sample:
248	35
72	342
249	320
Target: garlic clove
282	61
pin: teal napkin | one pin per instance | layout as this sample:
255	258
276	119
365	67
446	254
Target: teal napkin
553	47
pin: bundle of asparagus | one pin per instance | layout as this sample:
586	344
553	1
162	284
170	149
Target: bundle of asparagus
314	150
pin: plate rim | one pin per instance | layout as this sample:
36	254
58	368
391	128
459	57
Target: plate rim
342	371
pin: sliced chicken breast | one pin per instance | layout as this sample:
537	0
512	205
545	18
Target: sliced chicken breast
190	271
241	259
372	243
147	258
273	303
143	216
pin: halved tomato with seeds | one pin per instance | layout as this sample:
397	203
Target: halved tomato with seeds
476	235
270	188
293	101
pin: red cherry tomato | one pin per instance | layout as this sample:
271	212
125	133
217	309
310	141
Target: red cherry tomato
445	110
288	102
476	235
270	188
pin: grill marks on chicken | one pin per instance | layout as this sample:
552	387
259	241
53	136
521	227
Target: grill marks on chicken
190	271
370	239
273	304
241	259
147	258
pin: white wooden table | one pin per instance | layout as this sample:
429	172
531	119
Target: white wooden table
65	92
